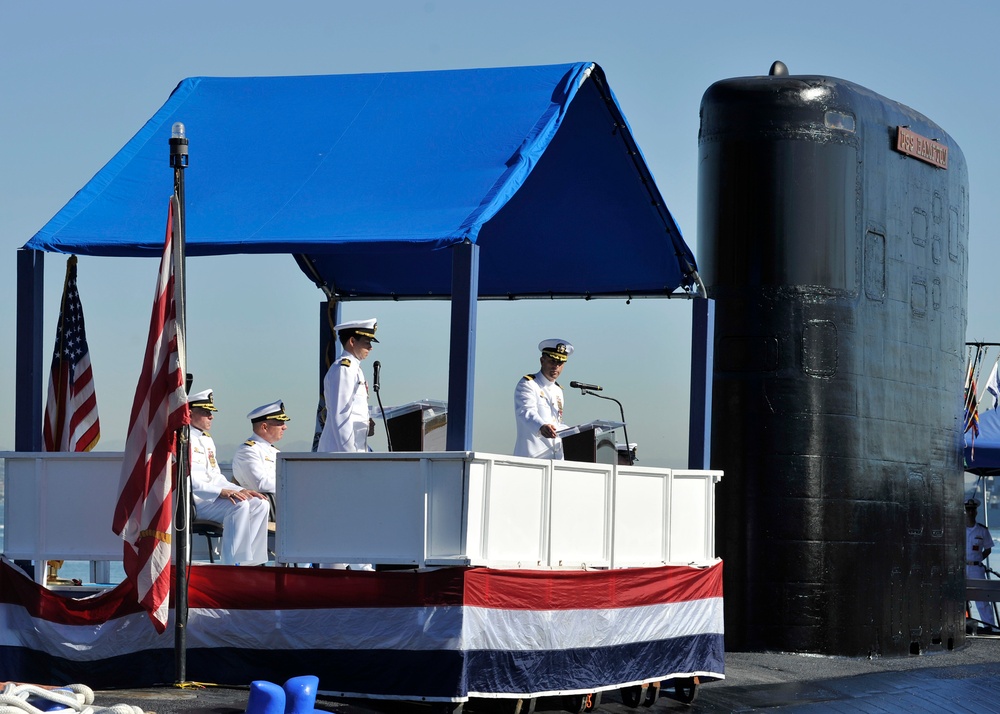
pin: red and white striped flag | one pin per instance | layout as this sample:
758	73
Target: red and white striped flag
144	513
71	421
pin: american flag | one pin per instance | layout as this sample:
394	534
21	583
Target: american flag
71	421
144	513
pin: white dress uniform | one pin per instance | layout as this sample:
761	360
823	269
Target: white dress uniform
244	523
537	402
255	464
978	540
345	391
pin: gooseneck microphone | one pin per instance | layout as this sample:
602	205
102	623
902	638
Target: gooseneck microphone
376	367
590	389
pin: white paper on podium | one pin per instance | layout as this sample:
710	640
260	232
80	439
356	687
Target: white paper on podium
430	407
598	425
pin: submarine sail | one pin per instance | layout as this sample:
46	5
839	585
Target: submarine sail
833	232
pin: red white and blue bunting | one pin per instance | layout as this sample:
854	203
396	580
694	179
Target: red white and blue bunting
446	634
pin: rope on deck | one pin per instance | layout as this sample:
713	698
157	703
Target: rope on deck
32	699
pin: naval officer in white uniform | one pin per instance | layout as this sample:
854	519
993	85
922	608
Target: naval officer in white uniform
978	546
345	391
242	512
255	462
538	404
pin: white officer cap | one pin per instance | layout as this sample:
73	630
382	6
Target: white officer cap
363	328
274	410
558	350
203	400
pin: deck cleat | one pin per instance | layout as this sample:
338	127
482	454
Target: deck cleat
300	694
265	698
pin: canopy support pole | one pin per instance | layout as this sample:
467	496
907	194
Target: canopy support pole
702	366
462	359
28	361
329	317
182	491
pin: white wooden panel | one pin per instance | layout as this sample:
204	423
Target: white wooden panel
474	533
60	506
352	510
447	514
692	521
580	522
516	504
640	517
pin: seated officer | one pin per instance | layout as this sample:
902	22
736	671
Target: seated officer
256	459
242	512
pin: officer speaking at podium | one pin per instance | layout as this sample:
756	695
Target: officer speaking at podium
538	404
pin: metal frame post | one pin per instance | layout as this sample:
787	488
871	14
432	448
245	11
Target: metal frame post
28	404
462	359
702	366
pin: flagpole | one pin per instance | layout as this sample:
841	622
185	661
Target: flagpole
179	162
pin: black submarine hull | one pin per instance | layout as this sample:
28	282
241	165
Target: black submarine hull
833	226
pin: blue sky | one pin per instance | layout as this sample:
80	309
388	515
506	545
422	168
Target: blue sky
81	78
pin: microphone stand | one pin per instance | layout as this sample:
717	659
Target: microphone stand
628	446
385	423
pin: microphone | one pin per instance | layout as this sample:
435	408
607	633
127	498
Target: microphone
375	368
584	385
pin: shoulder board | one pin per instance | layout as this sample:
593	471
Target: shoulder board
558	385
345	362
250	442
528	376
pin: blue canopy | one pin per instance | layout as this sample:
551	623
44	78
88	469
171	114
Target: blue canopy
982	455
368	178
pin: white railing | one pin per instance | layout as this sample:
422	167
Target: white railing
59	506
417	509
427	509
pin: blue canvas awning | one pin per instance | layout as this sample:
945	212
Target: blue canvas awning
463	185
982	454
368	178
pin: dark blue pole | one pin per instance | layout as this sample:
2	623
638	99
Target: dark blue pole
329	317
28	360
462	360
702	361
